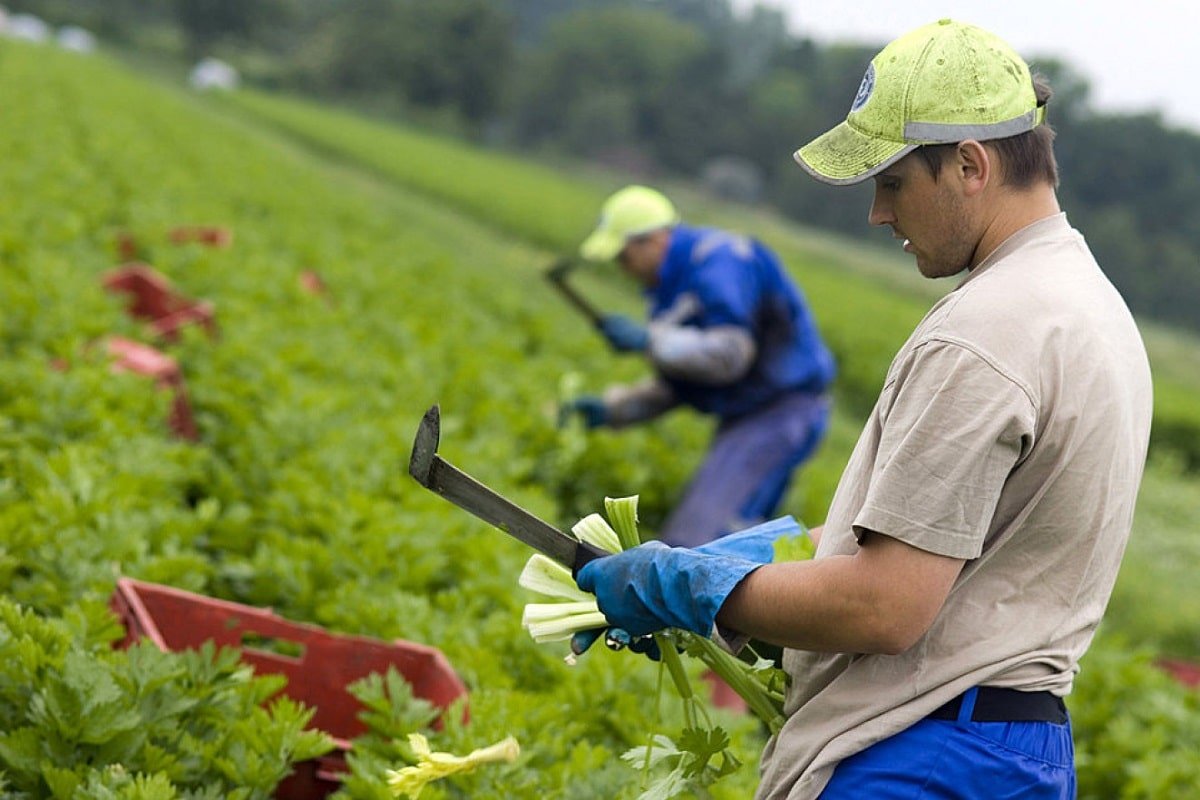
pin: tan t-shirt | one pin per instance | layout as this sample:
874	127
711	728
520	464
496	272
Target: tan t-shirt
1011	432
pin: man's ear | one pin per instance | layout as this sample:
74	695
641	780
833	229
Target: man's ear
973	166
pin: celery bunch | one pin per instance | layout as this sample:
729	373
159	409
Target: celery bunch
572	609
700	755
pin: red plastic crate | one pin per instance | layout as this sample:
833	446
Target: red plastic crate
317	676
1185	672
210	235
723	695
311	282
126	244
131	356
152	298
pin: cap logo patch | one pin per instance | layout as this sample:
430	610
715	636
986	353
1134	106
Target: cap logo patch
864	89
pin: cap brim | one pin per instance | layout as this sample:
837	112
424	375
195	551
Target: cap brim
602	245
843	156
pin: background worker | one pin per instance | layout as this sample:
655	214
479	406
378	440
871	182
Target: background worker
973	541
729	335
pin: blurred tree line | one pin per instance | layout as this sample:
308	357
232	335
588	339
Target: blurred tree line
674	87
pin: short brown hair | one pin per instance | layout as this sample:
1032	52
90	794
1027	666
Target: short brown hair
1025	159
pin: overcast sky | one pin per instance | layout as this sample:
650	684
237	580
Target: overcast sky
1136	56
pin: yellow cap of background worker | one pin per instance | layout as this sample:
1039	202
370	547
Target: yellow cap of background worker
630	212
942	83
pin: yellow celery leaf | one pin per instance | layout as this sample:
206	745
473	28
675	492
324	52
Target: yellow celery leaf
432	766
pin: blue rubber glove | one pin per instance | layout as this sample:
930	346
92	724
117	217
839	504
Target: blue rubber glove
589	407
755	544
625	335
653	587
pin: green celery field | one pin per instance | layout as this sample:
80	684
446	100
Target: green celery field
296	494
847	283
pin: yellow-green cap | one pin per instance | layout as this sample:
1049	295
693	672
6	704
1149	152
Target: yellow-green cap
630	212
942	83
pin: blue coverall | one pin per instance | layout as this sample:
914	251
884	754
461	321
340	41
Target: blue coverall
731	335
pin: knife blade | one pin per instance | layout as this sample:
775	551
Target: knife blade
557	275
438	475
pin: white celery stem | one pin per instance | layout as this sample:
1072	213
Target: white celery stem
549	578
623	513
562	628
543	612
595	531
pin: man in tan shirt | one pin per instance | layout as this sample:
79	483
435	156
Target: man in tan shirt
975	536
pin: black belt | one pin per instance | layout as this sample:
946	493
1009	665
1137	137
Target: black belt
1008	705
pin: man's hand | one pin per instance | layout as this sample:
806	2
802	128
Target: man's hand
755	545
653	587
623	334
589	407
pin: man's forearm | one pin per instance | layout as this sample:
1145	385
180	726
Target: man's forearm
713	357
628	405
807	605
880	600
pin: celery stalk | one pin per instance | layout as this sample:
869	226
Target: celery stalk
622	511
542	612
766	705
551	579
559	628
595	531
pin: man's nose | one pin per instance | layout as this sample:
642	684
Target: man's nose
881	212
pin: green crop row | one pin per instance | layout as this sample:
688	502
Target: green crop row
864	320
295	497
546	209
866	302
534	203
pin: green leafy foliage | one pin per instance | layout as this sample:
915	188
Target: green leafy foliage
795	548
391	712
83	720
1137	731
295	496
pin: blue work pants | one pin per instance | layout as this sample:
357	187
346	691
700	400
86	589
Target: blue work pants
747	470
962	760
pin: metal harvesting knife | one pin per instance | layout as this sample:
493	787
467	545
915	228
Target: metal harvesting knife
557	275
438	475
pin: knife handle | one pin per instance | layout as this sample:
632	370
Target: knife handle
584	554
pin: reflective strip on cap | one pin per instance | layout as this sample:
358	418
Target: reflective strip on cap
950	132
